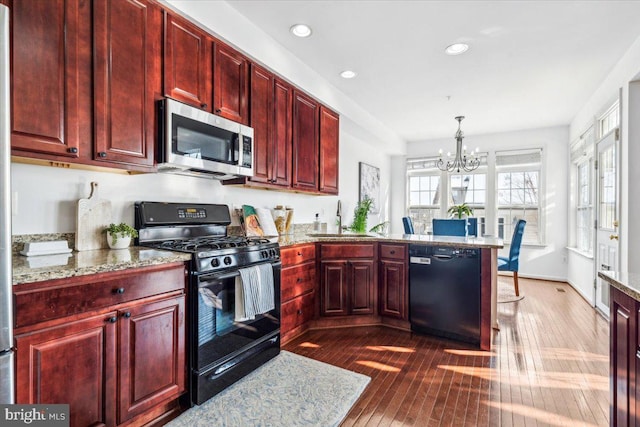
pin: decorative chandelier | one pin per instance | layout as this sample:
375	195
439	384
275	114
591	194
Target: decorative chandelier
462	160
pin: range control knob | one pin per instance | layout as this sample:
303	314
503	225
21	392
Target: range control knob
272	252
264	254
227	260
215	262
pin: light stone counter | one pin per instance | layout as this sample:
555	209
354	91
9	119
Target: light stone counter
452	241
629	283
48	267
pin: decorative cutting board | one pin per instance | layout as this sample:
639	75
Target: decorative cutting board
94	215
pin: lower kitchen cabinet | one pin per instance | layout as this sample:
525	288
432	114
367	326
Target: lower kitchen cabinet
348	279
298	289
110	364
393	281
625	359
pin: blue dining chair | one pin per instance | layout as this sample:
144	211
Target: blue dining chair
511	263
449	227
472	227
408	225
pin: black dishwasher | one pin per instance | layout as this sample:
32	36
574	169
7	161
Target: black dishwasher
444	292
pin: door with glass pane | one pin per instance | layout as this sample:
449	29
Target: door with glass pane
607	198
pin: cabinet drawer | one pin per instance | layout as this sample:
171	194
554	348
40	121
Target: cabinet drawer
297	254
298	280
80	295
393	251
339	250
296	312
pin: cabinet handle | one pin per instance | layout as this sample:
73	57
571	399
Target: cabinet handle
113	319
126	314
102	154
218	110
392	252
299	253
119	291
73	150
203	105
299	312
298	280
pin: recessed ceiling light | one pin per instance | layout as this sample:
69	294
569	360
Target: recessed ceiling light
300	30
456	49
348	74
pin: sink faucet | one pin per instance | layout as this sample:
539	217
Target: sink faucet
339	215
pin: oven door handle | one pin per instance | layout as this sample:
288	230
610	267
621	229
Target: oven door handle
228	275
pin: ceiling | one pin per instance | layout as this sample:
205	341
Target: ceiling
530	64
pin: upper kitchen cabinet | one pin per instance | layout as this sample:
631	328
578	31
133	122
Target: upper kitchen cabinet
270	113
127	80
329	150
51	66
230	84
305	142
187	63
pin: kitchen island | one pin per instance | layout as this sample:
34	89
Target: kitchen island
624	321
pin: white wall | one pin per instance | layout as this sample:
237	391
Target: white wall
545	262
47	196
623	80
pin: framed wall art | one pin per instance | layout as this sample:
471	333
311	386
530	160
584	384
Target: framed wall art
370	185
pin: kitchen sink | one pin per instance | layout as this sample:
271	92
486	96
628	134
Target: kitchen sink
332	235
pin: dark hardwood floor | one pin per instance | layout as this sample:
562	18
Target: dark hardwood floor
549	365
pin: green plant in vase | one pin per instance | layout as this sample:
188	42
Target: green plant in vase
459	210
360	216
120	230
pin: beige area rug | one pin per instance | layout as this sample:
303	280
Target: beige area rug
506	291
289	390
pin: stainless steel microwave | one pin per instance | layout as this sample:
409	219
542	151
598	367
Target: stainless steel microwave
195	142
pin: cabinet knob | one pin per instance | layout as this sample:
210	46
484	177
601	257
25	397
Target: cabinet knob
102	154
218	110
299	253
203	105
73	150
638	354
298	280
392	252
119	291
113	319
126	314
299	312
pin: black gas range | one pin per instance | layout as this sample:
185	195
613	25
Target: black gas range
223	345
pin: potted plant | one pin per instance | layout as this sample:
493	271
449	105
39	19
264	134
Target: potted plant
360	216
119	236
459	210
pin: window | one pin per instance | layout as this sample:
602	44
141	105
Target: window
518	189
609	120
470	188
424	193
582	161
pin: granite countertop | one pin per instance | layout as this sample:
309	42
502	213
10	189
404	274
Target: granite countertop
48	267
629	283
465	242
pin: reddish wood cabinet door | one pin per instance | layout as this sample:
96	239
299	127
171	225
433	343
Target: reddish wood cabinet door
262	123
127	69
230	84
187	63
305	142
393	287
151	355
50	45
74	364
361	284
334	291
329	150
623	354
282	122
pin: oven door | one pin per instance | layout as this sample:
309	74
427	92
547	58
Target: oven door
217	333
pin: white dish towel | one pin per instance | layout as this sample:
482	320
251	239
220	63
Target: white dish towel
254	292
